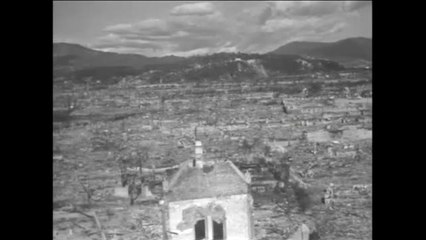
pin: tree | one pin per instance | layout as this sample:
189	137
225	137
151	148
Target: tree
214	115
89	192
137	158
246	147
303	197
281	172
266	150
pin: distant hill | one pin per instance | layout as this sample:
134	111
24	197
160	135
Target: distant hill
347	51
78	63
77	57
65	49
240	66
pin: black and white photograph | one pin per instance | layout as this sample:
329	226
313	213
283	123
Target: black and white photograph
212	120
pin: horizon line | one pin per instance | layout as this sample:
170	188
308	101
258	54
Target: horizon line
206	54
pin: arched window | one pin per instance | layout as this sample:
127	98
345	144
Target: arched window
219	230
200	230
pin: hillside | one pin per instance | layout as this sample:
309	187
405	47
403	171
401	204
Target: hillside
71	61
347	51
74	56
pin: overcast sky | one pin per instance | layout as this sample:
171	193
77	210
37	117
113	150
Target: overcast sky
187	28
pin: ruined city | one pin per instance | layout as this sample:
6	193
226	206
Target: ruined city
234	146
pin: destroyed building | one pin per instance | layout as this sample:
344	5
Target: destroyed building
208	200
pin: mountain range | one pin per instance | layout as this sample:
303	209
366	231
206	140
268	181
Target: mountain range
79	57
350	51
78	62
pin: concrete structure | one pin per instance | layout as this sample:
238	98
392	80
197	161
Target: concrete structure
208	200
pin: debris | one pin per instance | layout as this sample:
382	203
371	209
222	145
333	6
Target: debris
121	192
246	111
329	196
302	233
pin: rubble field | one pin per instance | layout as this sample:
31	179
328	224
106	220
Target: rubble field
326	132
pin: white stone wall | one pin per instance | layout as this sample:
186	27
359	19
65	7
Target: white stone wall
237	216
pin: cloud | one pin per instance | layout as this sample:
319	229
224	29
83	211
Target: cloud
258	15
314	8
199	9
174	34
259	27
350	6
198	51
129	50
155	27
336	28
279	31
128	44
264	15
150	24
274	25
118	28
306	8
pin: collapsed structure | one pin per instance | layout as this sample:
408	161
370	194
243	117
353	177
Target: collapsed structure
208	200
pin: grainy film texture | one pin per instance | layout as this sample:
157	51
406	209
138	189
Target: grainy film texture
212	120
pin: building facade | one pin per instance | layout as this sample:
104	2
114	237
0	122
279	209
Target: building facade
208	200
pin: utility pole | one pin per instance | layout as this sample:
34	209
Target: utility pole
163	219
